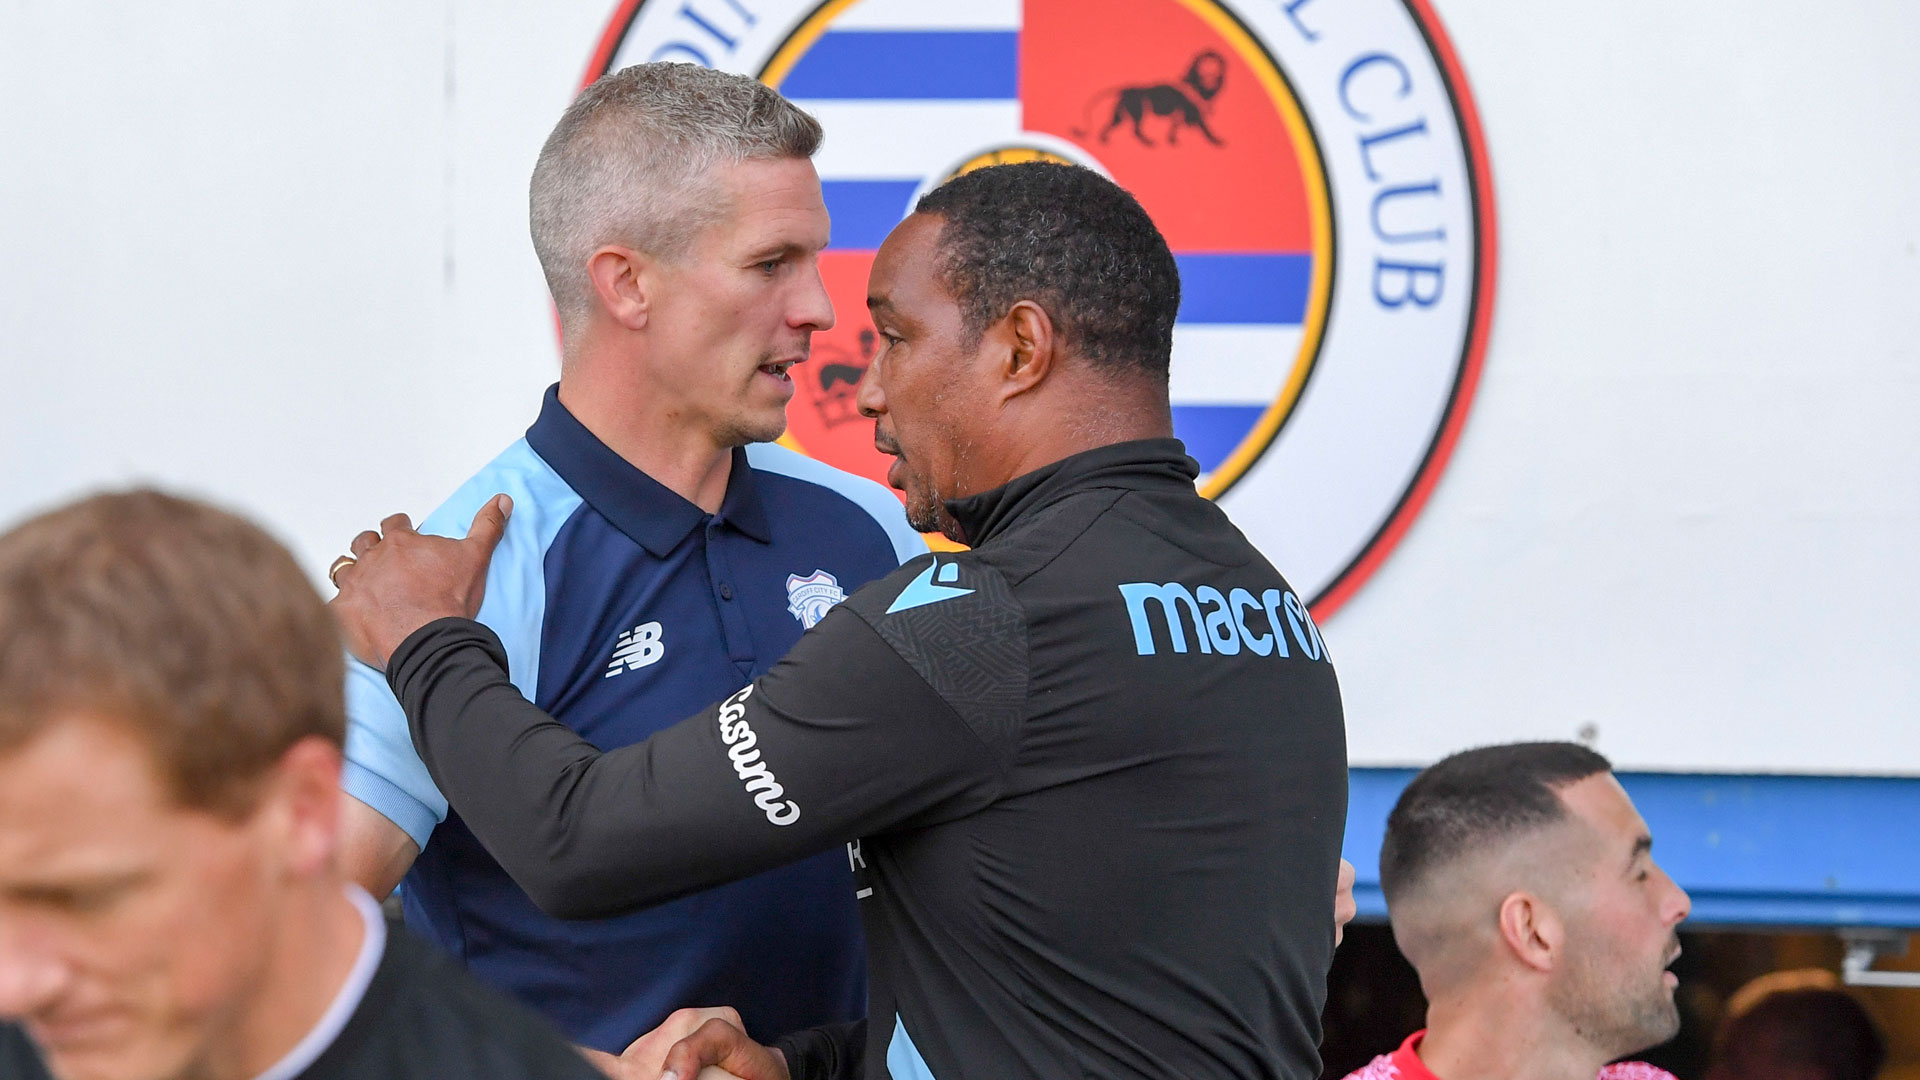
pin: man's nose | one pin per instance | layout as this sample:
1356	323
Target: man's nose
867	396
1679	905
813	308
31	976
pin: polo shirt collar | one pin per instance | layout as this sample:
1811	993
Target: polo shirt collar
647	511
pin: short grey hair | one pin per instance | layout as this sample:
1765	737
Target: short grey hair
629	164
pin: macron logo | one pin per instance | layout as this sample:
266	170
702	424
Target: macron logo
636	649
1220	621
922	591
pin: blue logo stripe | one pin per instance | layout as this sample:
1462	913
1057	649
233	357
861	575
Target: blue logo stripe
903	1058
922	591
910	64
1226	288
863	212
1211	432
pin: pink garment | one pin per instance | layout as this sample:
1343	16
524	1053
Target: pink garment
1405	1064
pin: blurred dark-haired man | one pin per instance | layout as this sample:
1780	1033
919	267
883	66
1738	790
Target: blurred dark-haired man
1093	770
1521	885
170	906
1809	1033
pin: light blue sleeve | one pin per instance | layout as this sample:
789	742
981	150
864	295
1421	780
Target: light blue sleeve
880	503
382	769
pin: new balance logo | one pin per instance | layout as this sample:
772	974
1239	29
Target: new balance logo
636	649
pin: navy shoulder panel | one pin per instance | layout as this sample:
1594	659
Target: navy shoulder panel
870	509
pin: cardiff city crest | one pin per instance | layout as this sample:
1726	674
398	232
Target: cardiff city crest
1316	166
810	598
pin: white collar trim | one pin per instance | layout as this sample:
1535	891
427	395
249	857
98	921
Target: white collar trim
373	945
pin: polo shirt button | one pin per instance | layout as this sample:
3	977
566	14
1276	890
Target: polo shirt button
726	591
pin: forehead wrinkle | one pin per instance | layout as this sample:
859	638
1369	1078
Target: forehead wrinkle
785	230
87	755
77	839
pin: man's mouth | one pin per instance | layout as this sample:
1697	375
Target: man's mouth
896	469
1668	976
77	1033
778	368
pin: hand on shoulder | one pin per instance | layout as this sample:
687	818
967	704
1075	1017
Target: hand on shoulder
399	580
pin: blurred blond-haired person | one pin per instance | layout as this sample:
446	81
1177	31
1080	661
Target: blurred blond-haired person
170	729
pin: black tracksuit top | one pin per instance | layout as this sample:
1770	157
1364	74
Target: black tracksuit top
1091	774
422	1018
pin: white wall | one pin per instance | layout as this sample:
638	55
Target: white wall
277	255
1685	508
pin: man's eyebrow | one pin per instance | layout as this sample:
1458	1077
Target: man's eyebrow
875	303
59	892
1642	845
778	249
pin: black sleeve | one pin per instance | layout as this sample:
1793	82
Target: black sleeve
20	1061
836	1052
842	739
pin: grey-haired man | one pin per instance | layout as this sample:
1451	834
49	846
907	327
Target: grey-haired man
651	561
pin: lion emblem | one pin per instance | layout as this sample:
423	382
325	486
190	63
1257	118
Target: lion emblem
1185	104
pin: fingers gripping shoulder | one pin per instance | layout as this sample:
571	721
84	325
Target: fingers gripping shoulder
956	621
382	768
514	605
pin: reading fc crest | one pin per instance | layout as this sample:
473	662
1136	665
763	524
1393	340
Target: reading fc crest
1316	166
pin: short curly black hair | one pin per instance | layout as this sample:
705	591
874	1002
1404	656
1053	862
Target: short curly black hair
1071	241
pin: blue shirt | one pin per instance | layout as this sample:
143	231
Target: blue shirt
624	608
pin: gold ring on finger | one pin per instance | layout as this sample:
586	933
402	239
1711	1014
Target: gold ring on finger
339	564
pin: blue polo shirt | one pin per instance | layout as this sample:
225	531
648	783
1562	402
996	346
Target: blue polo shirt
624	608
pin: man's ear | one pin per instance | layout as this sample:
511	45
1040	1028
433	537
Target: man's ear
300	808
622	282
1531	930
1034	348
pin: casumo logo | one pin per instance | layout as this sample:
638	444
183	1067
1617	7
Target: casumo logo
1220	620
744	752
1316	166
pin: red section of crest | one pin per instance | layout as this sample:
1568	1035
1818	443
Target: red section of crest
1389	537
1082	62
610	39
822	417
